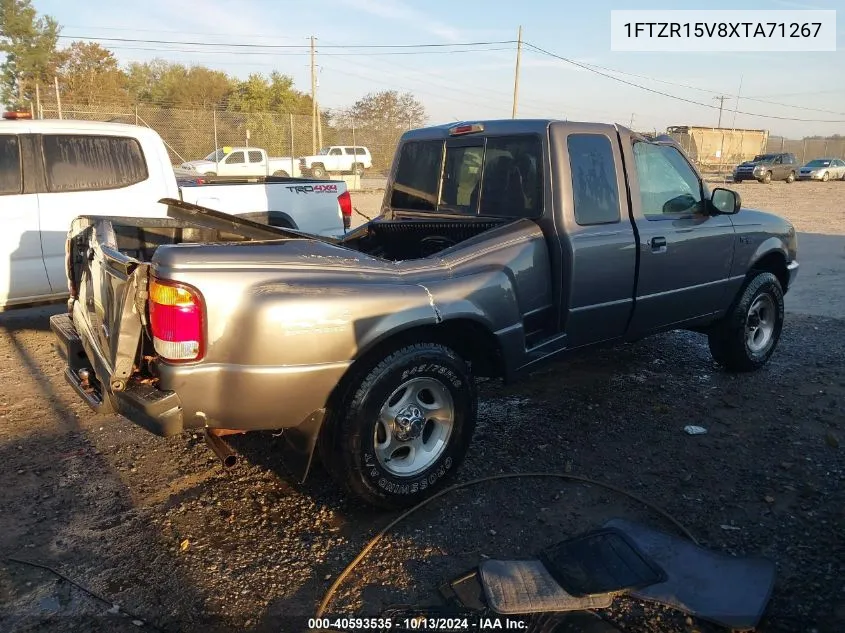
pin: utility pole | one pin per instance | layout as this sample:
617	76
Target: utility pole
313	101
516	71
58	96
721	99
631	124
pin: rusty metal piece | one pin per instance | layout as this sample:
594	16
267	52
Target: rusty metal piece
227	455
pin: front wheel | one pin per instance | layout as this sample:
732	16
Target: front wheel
767	178
400	430
747	336
825	177
791	177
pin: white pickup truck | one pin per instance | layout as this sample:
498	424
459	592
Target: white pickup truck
244	161
343	159
52	171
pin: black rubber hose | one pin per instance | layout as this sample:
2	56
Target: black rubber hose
327	598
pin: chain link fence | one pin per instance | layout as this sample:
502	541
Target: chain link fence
193	134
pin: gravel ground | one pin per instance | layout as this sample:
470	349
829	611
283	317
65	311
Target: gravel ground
156	526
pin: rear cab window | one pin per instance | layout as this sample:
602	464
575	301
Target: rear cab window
10	165
79	162
487	176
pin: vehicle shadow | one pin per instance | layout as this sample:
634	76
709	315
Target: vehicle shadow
68	504
820	286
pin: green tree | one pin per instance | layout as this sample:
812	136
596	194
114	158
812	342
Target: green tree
29	43
89	75
274	94
176	85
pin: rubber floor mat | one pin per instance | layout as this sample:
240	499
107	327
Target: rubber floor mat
526	586
600	562
726	590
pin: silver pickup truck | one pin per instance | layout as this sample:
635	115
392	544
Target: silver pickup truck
500	245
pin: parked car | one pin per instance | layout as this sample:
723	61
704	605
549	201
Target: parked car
823	169
244	161
768	167
344	159
367	347
52	171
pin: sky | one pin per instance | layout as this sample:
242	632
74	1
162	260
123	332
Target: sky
479	84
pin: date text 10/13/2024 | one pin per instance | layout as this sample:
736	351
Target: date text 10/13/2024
421	622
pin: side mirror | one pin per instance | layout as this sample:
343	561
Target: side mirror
725	201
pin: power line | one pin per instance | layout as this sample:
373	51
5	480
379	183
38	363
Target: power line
672	96
300	53
285	46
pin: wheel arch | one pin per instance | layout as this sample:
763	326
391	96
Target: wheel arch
773	261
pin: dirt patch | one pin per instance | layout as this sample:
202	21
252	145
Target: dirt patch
157	526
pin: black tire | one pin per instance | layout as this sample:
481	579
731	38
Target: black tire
729	339
826	176
347	443
791	177
210	174
318	171
358	169
281	173
767	178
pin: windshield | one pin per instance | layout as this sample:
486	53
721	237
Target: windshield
323	151
763	158
815	164
216	156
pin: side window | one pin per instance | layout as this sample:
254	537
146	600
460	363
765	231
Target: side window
348	150
668	185
594	185
10	165
335	152
462	178
361	151
255	157
417	176
512	184
76	162
235	158
778	160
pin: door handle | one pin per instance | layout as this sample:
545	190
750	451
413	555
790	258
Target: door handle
658	243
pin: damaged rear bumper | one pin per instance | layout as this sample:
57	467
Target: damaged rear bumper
230	397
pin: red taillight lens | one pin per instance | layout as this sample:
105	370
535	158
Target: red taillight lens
345	202
176	321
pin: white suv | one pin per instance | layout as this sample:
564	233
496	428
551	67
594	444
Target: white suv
344	159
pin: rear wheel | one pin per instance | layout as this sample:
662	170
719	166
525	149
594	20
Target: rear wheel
358	169
747	336
318	171
401	428
281	173
210	174
791	177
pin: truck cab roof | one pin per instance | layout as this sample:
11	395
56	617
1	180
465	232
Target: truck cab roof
494	127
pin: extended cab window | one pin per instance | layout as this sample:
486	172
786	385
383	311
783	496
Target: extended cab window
668	185
77	162
255	157
594	186
512	185
417	176
10	164
462	178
